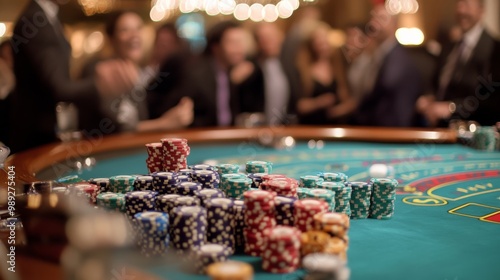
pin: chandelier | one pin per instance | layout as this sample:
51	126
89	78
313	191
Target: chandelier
255	10
402	6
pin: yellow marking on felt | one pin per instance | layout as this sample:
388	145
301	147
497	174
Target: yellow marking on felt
483	218
462	190
453	211
444	185
424	201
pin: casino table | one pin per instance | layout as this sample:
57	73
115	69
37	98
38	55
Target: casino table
447	216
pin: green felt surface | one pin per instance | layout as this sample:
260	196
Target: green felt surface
440	229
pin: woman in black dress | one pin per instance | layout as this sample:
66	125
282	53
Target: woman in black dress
323	77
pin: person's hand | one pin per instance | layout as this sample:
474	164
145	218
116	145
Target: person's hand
115	77
424	102
180	116
241	72
312	104
437	111
325	100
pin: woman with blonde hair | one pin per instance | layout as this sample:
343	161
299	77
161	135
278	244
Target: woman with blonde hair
322	75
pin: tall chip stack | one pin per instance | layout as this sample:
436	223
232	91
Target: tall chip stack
239	226
175	153
189	228
153	233
383	198
220	217
154	161
342	196
282	251
259	218
235	187
360	199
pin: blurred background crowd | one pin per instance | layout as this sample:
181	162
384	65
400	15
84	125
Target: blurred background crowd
219	62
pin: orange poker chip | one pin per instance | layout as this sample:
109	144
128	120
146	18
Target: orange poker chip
230	270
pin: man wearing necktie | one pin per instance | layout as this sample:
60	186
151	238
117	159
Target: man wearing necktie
464	80
41	66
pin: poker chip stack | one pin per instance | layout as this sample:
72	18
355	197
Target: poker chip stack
175	153
153	229
257	179
310	181
259	167
383	198
188	188
165	182
111	201
208	254
336	225
333	177
220	217
143	183
207	194
259	218
154	162
282	252
208	179
139	201
485	139
360	199
230	270
236	187
102	183
282	186
284	210
228	168
342	196
327	196
188	228
304	211
121	183
314	241
239	226
224	180
325	267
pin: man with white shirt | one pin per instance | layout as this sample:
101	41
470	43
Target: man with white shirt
41	66
463	82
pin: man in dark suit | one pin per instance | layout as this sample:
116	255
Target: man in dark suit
464	76
41	66
268	89
208	82
393	78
